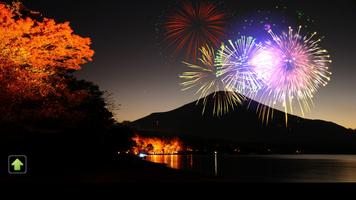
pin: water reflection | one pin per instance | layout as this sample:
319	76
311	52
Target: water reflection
215	163
269	168
206	164
173	161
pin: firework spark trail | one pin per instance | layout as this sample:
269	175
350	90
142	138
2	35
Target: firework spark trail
300	68
204	77
194	25
237	65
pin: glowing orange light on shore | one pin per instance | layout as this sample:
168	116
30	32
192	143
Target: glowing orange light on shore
152	145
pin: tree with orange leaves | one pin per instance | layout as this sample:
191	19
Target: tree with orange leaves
36	56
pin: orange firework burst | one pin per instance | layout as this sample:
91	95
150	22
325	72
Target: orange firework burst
192	25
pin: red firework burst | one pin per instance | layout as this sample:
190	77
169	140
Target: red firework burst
193	25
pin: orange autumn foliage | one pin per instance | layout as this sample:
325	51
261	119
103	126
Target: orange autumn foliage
153	145
35	56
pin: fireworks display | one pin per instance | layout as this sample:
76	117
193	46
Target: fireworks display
192	25
206	80
277	70
299	69
236	65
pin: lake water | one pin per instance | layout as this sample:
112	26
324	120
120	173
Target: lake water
266	168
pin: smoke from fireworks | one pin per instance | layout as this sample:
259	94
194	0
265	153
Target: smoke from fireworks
299	69
194	25
205	79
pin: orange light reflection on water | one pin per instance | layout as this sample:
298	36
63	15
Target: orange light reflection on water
172	161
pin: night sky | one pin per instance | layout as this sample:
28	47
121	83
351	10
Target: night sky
130	64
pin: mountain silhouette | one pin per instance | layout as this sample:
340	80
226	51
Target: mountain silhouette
244	127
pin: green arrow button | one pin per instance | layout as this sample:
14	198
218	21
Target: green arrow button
17	164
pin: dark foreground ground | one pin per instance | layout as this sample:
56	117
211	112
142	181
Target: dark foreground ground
60	158
122	169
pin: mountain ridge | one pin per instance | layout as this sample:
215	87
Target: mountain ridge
243	126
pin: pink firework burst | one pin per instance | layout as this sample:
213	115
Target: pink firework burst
294	68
